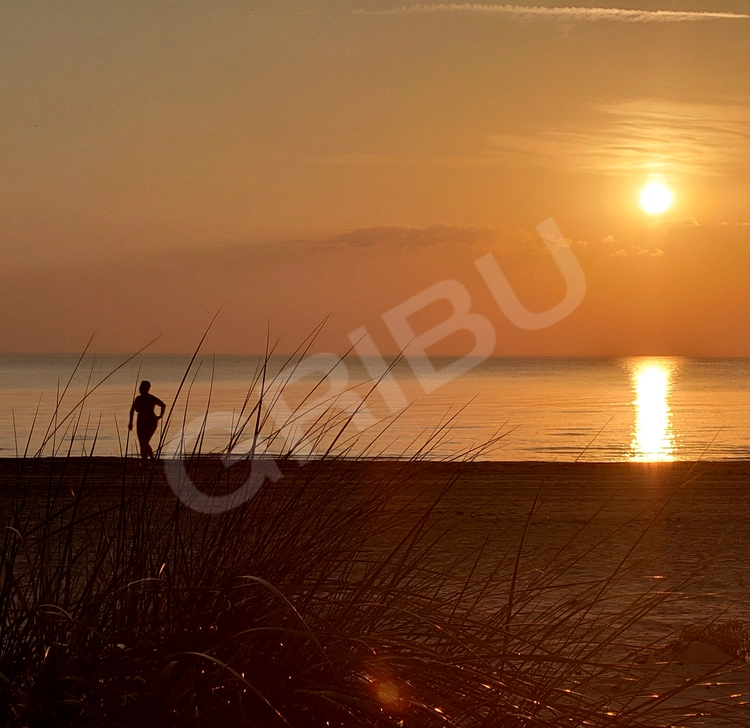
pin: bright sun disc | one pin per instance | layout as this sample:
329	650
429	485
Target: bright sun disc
656	198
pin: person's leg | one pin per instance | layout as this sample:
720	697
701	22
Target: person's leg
147	435
143	442
146	430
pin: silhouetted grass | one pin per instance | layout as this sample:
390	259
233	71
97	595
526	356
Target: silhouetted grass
325	600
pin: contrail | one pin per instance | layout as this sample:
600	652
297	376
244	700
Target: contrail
622	15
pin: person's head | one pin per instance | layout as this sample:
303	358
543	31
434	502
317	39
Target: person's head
145	386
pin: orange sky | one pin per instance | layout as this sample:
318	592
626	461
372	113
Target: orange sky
301	160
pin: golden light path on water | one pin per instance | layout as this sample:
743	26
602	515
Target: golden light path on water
653	437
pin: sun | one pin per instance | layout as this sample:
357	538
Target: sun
656	198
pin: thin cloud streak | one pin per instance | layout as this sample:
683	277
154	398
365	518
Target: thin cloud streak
622	15
640	136
479	238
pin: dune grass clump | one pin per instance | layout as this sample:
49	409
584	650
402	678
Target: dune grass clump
731	637
314	604
328	599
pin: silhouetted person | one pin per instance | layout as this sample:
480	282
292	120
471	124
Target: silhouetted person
147	420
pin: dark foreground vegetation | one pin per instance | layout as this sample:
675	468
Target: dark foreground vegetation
326	600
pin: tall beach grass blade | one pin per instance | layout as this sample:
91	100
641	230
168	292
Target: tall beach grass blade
78	404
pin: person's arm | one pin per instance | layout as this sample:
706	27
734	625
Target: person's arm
130	419
163	407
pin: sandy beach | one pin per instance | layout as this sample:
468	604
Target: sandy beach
674	530
683	526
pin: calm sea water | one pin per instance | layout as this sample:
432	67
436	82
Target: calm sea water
544	408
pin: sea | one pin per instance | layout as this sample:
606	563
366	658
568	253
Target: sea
649	409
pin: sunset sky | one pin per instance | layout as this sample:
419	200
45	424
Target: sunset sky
291	161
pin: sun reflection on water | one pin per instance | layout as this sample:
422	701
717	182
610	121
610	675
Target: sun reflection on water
653	438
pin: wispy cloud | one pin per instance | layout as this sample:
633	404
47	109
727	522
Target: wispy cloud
637	250
640	136
412	236
446	236
685	223
622	15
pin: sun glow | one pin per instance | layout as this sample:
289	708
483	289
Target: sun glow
656	198
652	435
